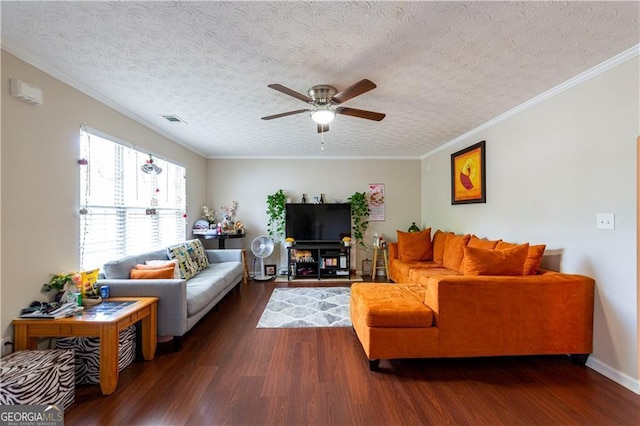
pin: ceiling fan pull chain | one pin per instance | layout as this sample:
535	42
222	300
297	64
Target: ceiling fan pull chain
322	136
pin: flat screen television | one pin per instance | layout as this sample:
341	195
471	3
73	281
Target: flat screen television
318	222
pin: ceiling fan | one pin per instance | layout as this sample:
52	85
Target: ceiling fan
323	99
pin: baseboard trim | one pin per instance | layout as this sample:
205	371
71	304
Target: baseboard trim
617	376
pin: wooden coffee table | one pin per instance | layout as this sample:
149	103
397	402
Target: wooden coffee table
103	323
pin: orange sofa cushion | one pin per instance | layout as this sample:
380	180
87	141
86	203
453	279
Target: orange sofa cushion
509	261
454	251
388	305
421	276
534	256
414	246
137	274
401	268
476	242
439	239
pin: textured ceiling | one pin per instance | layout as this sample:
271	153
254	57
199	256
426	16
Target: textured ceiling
442	68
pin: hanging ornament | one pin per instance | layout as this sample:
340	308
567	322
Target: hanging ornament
150	168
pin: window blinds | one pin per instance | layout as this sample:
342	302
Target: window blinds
127	211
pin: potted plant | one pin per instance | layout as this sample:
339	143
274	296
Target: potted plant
276	203
58	283
359	217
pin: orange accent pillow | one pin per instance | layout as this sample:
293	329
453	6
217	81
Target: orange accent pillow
476	242
167	273
439	238
534	257
509	261
454	251
414	246
159	264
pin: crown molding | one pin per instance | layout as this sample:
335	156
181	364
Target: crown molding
572	82
310	157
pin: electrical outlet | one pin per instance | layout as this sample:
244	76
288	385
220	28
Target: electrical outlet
605	221
6	345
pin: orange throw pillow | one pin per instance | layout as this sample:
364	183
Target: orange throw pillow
534	257
509	261
137	274
414	246
159	264
439	238
454	251
476	242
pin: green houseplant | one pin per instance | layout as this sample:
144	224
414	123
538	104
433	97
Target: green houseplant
276	203
57	282
359	217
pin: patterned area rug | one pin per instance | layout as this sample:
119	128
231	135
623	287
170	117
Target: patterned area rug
301	307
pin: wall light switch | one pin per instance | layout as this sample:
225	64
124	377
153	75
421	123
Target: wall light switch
605	221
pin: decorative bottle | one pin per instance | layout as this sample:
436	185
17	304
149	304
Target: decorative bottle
413	227
376	240
321	198
304	199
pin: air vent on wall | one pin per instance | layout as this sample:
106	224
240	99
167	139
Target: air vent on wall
174	119
26	92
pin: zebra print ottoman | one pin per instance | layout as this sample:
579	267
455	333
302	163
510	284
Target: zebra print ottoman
37	378
87	354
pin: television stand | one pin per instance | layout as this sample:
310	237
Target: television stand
330	259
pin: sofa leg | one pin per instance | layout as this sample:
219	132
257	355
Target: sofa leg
177	343
579	359
374	364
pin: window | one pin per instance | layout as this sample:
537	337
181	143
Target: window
126	211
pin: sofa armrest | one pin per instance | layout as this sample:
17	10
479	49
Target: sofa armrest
546	313
172	303
393	251
224	255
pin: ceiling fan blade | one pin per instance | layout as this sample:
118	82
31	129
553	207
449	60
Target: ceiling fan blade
287	91
284	114
369	115
323	128
351	92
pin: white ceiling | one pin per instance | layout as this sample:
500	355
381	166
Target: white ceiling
442	68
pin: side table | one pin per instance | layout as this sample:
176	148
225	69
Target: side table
221	238
105	325
379	252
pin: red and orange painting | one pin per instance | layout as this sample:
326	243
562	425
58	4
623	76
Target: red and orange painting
468	175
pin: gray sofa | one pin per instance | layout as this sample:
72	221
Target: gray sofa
182	302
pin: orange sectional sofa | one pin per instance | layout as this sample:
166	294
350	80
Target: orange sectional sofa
460	296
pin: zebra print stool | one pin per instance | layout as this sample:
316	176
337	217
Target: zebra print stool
37	378
87	352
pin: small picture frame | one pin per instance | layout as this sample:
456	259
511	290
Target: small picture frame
270	270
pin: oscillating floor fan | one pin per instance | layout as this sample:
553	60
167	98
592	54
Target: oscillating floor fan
261	247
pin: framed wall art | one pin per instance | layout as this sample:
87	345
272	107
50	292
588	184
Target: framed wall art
468	175
376	201
270	270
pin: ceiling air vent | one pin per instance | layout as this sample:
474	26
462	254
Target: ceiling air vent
174	119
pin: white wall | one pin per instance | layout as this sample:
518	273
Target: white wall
250	181
40	148
550	169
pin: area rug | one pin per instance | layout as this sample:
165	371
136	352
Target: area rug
302	307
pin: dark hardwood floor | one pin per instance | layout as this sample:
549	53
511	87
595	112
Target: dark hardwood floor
230	373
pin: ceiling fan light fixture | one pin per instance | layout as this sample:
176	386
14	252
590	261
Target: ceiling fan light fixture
323	115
